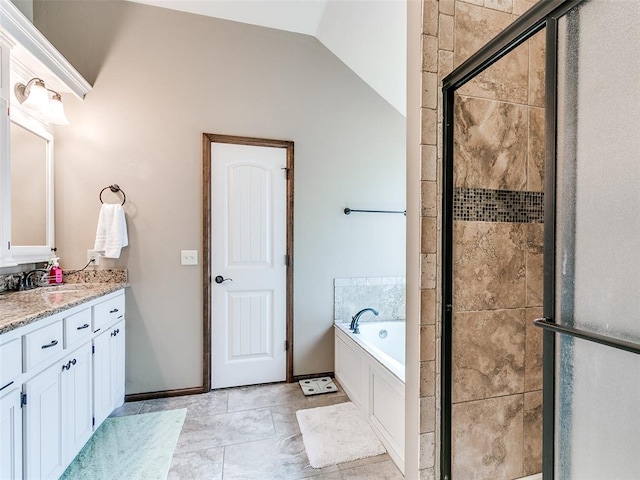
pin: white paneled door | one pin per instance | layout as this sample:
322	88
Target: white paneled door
248	264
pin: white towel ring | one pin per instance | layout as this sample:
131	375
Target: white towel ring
115	188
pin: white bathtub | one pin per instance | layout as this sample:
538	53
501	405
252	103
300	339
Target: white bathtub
370	368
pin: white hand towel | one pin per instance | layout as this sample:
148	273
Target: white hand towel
111	235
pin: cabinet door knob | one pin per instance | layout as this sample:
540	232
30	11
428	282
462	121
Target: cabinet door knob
52	344
113	311
74	361
86	325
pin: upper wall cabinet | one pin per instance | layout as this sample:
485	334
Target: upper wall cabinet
26	137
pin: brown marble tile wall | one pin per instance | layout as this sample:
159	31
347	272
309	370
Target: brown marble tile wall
487	438
489	270
497	436
498	155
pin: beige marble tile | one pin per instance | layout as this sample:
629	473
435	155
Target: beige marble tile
473	2
521	6
430	17
445	65
505	80
429	235
427	414
445	37
211	431
428	342
532	432
428	270
537	69
427	307
475	26
429	159
276	458
428	474
533	353
487	439
427	450
429	126
447	7
488	354
500	5
490	144
489	266
429	90
535	264
202	464
535	162
211	403
427	379
429	53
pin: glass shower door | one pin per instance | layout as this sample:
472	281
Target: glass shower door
597	242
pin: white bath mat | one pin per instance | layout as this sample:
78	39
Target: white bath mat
337	434
315	386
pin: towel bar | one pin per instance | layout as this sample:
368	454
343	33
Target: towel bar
347	211
114	188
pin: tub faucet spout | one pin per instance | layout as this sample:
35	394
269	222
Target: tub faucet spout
356	318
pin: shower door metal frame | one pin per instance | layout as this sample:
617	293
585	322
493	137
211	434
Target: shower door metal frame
544	15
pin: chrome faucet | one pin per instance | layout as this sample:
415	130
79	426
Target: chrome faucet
30	282
356	318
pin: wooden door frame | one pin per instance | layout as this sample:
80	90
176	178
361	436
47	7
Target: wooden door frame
207	140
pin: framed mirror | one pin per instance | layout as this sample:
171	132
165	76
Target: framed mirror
31	159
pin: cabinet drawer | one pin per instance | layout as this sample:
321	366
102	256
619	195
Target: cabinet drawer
10	361
77	327
42	344
106	313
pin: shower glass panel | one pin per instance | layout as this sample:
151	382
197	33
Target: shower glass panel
597	242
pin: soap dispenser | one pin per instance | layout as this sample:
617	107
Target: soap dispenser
55	272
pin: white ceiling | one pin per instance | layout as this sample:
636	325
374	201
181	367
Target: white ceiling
369	36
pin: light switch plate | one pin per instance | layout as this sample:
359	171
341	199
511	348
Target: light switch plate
189	257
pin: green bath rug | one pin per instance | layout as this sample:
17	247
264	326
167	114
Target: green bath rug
136	447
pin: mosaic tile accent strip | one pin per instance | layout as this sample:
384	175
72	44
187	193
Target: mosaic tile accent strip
483	205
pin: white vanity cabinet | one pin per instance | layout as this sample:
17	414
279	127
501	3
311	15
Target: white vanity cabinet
10	433
53	401
108	391
10	411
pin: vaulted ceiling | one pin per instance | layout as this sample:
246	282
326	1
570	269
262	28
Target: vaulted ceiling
369	36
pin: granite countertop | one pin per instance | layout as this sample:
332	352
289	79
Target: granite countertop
18	309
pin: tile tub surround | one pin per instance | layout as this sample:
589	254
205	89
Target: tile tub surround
252	433
18	309
384	294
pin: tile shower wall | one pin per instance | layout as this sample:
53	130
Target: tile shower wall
511	96
384	294
498	215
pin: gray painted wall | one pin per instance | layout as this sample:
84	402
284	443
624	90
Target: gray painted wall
162	78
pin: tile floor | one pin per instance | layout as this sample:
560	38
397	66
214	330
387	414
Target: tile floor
251	433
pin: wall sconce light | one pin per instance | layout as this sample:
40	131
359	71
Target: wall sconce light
37	97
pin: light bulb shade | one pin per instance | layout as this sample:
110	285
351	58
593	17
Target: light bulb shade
55	112
34	95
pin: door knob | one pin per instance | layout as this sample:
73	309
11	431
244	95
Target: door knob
220	279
